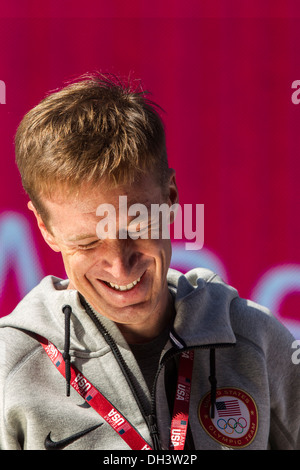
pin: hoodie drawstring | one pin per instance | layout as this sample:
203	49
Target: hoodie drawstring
213	381
67	310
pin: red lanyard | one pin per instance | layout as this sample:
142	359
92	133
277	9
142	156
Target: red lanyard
182	401
114	418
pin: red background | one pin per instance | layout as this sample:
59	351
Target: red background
223	72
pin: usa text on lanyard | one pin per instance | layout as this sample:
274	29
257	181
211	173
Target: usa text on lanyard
114	418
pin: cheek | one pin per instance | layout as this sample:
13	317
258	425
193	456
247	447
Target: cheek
76	264
160	251
167	255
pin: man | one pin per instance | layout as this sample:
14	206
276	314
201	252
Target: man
127	353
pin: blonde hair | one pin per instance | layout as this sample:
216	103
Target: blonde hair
97	127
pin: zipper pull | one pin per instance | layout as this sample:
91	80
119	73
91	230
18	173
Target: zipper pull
154	432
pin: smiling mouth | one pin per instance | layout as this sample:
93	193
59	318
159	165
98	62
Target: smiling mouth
123	288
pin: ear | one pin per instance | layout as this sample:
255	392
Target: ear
48	237
173	190
173	197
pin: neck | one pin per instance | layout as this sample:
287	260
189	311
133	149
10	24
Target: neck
143	333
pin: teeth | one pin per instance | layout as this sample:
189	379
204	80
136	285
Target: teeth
127	287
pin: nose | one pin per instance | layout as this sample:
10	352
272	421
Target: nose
120	260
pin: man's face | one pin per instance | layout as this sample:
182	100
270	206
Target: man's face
123	279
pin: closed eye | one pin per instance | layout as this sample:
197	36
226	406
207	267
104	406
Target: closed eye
89	245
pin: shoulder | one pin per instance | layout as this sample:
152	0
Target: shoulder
257	324
43	293
31	315
16	348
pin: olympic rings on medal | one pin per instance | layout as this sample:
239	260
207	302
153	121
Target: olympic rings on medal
232	425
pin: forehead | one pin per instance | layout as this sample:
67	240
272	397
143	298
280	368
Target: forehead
87	198
71	215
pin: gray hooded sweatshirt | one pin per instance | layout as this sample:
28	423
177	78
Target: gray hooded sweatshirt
243	369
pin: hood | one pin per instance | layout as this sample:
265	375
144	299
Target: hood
202	302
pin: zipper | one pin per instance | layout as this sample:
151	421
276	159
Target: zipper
150	420
170	354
